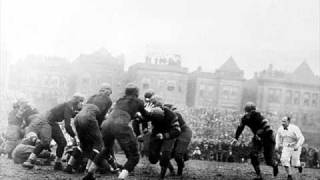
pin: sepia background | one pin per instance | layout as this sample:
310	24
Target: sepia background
197	54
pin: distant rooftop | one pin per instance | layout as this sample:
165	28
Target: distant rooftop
101	56
229	70
159	67
302	74
230	66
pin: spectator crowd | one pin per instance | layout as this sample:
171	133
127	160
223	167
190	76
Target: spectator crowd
213	130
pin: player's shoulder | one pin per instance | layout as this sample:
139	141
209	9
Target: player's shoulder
295	127
140	100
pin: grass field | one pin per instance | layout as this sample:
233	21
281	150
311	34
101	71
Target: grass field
195	170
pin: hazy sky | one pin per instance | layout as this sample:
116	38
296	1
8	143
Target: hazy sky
205	32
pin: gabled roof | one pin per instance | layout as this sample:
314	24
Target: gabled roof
301	75
230	65
304	70
102	56
304	74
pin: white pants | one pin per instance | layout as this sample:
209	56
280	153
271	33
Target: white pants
289	154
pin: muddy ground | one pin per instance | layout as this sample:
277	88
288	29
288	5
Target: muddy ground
195	170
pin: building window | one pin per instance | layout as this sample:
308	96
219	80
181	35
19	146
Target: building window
85	81
145	86
306	99
171	86
296	98
226	92
146	83
274	95
234	92
202	90
288	99
161	84
314	100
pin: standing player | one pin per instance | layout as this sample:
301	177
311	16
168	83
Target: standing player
290	139
117	127
180	151
263	138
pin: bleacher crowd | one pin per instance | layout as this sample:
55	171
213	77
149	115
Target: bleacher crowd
213	130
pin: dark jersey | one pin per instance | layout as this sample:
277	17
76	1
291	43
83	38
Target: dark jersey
131	105
103	102
64	111
89	111
255	121
168	125
180	119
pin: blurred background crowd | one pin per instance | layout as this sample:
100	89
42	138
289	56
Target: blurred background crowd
213	130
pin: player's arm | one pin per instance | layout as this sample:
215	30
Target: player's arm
174	125
144	113
240	128
68	114
136	126
300	137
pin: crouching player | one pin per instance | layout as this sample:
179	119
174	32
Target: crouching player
165	128
21	153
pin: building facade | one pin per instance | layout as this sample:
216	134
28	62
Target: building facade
222	89
91	70
168	79
296	94
42	80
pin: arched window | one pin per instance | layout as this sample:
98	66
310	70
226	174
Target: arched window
296	98
146	83
306	99
288	98
314	100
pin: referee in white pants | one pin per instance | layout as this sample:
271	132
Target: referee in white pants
290	138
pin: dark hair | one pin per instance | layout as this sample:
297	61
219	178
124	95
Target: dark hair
288	118
132	89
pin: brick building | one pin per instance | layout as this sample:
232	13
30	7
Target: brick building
90	70
166	78
42	80
296	94
221	89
